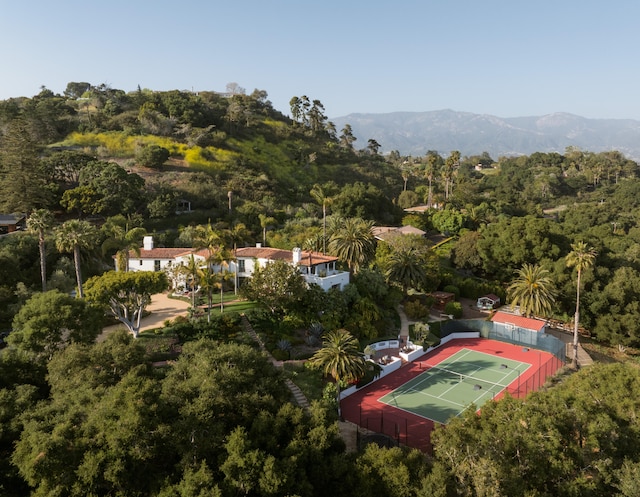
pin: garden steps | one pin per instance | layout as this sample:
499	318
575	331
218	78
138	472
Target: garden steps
298	396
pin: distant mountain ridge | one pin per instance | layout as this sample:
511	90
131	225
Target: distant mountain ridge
414	133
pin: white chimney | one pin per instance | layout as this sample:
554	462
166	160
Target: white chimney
147	243
258	245
297	255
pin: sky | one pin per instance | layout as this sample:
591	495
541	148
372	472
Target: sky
507	58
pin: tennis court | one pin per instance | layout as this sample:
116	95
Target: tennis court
449	387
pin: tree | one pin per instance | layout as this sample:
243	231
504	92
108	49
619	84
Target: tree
433	162
581	257
346	138
353	243
340	357
237	234
40	222
24	185
532	290
74	236
191	272
321	197
277	286
115	190
51	320
153	156
265	222
406	268
126	295
451	164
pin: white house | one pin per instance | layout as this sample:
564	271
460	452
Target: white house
314	267
488	302
151	258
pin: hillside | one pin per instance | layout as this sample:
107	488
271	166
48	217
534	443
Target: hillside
414	133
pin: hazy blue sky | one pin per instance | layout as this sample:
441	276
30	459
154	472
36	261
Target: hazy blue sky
504	57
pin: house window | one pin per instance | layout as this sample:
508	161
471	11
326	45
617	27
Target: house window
156	265
241	268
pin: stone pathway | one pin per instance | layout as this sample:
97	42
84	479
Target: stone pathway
298	396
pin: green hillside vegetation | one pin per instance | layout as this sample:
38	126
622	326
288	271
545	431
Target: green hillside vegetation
96	169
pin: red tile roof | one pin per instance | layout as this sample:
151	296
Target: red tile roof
166	253
274	254
520	321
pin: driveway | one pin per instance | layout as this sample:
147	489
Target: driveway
161	309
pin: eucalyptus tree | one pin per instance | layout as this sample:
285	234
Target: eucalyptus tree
341	358
74	236
582	256
39	222
532	291
353	243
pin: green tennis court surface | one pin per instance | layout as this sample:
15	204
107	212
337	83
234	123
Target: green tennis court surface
447	388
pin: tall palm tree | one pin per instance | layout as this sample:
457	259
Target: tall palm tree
74	236
238	233
207	279
532	290
430	172
353	243
265	222
39	222
321	197
340	357
582	256
192	278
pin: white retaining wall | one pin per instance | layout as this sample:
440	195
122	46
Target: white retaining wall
397	362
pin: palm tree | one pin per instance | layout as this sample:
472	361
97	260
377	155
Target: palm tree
533	291
39	222
123	241
74	236
581	257
321	197
207	279
265	222
192	277
407	268
353	243
429	172
340	357
237	234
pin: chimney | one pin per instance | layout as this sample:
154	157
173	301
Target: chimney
297	255
258	245
147	243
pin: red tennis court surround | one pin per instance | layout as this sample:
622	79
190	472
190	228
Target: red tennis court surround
364	409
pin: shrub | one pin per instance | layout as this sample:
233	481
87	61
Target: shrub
454	309
152	156
452	289
414	309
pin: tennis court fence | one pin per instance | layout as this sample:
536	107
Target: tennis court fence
507	333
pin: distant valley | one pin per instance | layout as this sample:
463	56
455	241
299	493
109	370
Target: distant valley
414	133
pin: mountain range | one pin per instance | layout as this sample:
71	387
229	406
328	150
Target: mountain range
414	133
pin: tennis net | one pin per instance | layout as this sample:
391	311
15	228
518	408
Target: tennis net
478	383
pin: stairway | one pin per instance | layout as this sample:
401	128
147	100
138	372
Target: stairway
298	396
